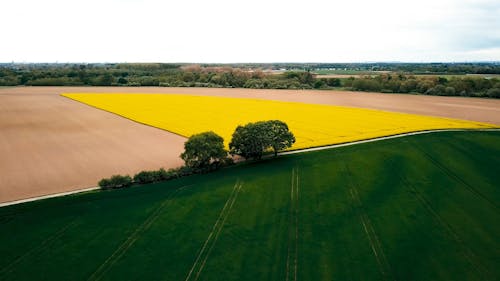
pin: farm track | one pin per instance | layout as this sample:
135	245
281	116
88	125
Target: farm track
293	229
467	253
457	178
211	240
375	244
131	239
48	196
38	249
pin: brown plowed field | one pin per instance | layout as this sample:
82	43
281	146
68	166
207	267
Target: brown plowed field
51	144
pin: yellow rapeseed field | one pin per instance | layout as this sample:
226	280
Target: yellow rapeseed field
313	125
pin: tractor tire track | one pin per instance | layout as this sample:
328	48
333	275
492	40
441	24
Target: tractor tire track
131	239
214	228
293	230
40	248
456	177
213	236
296	223
467	253
218	233
6	219
375	244
289	227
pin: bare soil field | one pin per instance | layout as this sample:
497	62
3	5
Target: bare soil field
474	109
51	144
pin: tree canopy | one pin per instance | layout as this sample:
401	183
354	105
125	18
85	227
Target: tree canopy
253	139
201	151
280	136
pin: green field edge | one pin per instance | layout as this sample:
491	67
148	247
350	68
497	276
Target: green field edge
267	155
386	137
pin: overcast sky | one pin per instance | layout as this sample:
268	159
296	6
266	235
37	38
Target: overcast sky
227	31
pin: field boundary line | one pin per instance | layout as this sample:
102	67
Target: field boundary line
456	177
132	238
466	251
383	138
40	247
214	233
31	199
373	238
121	115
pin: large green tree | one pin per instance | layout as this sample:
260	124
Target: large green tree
249	141
253	139
204	150
280	136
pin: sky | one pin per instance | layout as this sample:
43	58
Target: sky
231	31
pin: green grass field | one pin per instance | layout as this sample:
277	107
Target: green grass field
414	208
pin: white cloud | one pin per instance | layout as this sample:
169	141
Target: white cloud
249	31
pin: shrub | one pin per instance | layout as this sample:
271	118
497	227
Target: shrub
116	181
438	90
159	175
366	84
333	82
493	93
104	183
147	177
449	91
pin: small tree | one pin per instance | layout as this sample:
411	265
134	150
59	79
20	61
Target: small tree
203	150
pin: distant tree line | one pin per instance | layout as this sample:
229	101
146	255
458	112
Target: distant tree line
205	152
407	68
428	85
223	76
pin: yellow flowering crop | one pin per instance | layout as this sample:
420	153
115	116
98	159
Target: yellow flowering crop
312	125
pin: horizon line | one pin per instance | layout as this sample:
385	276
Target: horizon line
229	63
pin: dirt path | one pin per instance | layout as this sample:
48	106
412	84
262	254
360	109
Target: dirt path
50	144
